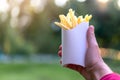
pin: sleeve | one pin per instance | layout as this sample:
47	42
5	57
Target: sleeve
112	76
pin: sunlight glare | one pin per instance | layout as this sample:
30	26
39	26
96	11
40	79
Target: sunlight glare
60	3
81	0
38	5
4	6
19	1
118	3
15	11
103	1
35	3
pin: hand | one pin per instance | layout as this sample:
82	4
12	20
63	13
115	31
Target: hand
77	68
95	66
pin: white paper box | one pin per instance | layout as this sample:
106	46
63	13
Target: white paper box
74	45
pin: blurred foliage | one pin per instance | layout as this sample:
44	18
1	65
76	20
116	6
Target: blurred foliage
33	30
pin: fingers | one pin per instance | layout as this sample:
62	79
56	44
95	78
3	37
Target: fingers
77	68
91	37
60	47
60	53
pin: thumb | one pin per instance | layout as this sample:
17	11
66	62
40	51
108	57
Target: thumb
91	37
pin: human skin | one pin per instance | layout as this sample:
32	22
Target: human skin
95	68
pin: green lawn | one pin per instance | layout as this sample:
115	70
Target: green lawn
32	71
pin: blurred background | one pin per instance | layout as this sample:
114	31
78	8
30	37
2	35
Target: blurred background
29	39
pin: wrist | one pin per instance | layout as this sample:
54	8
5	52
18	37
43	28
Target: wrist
99	70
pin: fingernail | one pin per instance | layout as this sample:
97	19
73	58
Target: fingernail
91	28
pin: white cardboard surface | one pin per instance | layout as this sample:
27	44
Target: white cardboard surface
74	45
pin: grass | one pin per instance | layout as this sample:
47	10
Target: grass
31	71
35	71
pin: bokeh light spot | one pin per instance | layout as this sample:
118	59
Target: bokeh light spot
81	0
60	3
103	1
118	3
4	6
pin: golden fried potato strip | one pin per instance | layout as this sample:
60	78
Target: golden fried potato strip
70	21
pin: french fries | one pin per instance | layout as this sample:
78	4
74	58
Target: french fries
70	21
